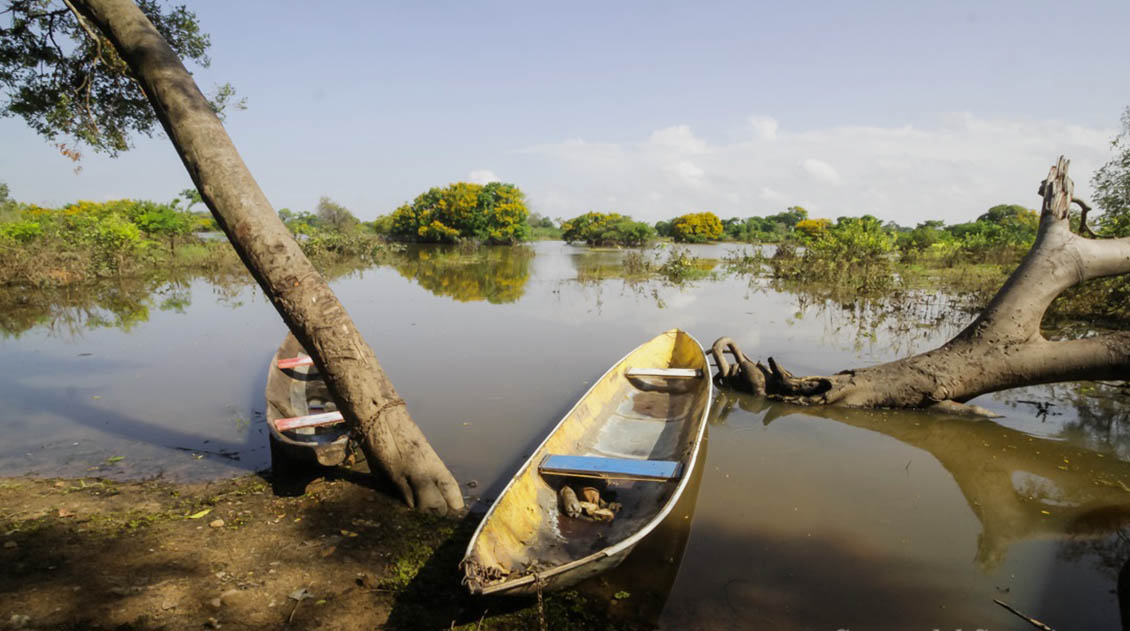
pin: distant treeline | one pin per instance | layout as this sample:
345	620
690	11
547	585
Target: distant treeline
1002	232
86	239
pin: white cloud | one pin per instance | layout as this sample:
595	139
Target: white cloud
679	139
820	170
687	171
483	176
771	195
951	170
764	127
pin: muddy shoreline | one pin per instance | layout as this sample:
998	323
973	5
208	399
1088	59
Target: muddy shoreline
253	552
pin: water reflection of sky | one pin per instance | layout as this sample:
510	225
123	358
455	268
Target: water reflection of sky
807	521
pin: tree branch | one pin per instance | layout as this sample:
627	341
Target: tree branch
1105	257
1084	208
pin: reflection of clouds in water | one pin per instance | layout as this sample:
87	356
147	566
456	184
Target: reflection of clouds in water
1037	487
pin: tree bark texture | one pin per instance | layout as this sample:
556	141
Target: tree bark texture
1003	348
391	441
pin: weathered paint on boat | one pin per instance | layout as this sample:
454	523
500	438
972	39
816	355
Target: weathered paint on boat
524	543
289	393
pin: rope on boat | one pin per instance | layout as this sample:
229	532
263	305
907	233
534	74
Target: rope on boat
539	584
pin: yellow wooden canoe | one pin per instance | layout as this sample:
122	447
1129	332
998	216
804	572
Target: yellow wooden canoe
634	436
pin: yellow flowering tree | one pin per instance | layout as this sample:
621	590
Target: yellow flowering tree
812	229
696	228
494	213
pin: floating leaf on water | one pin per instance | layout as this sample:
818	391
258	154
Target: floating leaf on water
113	459
200	514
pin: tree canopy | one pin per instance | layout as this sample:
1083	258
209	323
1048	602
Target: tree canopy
1112	185
65	79
493	213
596	228
335	216
696	227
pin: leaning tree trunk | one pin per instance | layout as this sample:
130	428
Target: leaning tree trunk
1003	348
391	441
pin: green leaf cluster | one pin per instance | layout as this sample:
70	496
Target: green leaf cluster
771	229
1112	186
110	235
853	239
604	229
65	79
1000	235
494	213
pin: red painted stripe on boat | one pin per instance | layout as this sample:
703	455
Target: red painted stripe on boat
295	362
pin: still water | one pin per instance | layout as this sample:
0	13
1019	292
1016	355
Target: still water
803	518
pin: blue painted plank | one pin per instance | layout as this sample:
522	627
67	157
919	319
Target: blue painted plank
611	468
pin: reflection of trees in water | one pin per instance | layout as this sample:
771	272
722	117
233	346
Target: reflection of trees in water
120	303
900	320
69	311
1109	554
496	274
1019	486
1102	412
633	266
598	265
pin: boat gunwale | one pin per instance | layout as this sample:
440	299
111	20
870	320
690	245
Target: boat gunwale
630	541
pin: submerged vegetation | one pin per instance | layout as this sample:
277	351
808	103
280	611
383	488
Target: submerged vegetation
88	240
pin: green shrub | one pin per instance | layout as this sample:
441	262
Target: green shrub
21	231
115	240
852	240
603	229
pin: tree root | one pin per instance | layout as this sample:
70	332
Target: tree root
845	389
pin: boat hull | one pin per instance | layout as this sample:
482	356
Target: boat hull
525	544
289	393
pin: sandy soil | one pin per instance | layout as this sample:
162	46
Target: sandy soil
320	553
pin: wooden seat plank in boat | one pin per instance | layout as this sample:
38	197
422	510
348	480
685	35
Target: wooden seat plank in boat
610	468
671	373
310	420
303	422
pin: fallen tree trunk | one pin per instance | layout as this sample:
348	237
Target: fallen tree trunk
391	441
1003	348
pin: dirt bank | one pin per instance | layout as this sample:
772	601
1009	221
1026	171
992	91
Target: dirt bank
250	553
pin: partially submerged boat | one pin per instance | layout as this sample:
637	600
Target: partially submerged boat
303	420
630	443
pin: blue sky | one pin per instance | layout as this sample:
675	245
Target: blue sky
905	110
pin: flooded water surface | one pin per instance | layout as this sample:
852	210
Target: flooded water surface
799	518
